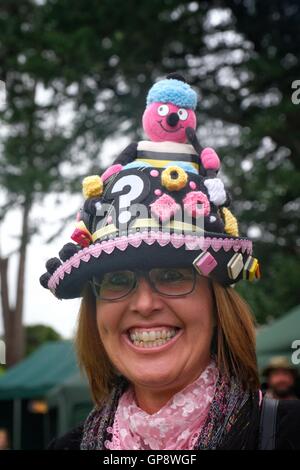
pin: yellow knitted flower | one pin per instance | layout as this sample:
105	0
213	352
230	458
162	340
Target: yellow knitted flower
174	178
92	186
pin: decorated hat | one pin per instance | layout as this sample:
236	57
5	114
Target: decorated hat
154	207
180	228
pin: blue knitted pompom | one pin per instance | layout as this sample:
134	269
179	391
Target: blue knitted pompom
173	91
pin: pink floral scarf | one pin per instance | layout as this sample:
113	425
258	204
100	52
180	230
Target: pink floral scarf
232	421
176	425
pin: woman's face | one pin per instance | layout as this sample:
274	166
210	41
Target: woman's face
176	362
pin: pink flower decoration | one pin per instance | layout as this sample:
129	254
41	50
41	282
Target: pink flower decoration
191	201
164	207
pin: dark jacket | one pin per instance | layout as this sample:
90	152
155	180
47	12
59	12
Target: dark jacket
287	431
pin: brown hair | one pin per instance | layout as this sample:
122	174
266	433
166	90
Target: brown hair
233	342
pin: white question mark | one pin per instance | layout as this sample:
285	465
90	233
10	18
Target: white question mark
136	184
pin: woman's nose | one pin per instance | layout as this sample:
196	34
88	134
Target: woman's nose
144	299
172	119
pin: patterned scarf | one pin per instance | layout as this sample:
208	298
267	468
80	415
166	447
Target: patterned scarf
174	426
231	420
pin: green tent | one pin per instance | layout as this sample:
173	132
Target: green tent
69	403
46	367
277	339
32	379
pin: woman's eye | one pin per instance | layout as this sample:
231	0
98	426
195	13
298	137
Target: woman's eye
171	276
183	114
116	279
163	110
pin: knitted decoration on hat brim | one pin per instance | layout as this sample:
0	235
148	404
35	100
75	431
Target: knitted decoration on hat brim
159	240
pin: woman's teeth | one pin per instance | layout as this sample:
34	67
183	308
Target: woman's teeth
150	339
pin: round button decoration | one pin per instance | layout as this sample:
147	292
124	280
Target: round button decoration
174	178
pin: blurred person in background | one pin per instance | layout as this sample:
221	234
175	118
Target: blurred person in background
281	378
4	441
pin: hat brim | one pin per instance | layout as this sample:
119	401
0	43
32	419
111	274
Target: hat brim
145	251
268	370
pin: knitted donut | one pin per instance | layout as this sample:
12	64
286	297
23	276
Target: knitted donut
174	178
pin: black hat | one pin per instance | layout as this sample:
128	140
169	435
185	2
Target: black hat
154	209
111	236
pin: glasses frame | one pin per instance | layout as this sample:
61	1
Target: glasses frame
146	275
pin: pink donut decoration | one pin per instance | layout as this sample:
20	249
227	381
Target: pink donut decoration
191	201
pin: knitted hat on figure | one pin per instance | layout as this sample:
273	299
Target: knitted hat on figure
161	204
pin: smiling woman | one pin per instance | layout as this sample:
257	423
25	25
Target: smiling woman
211	321
166	342
167	354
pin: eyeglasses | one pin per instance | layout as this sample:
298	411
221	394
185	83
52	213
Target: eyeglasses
171	282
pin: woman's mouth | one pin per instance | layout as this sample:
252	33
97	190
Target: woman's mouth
152	339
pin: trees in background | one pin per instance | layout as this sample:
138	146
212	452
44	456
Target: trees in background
264	163
77	74
36	335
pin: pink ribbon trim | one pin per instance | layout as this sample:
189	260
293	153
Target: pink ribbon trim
191	242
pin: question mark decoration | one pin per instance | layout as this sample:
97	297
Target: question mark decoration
127	189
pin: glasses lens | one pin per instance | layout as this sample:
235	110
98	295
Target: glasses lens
114	285
173	281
